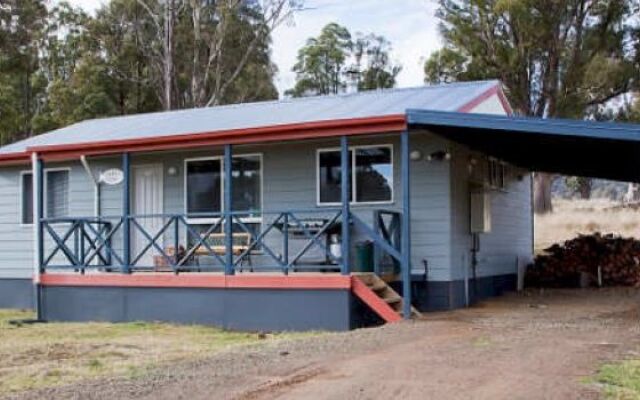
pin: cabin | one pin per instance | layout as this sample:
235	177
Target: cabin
324	213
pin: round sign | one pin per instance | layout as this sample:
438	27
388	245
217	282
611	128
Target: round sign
112	176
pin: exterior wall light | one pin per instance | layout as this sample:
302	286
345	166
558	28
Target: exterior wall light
172	171
415	155
441	155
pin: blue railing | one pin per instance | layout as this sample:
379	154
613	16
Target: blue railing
292	240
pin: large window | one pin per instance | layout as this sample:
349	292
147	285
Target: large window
56	195
371	175
204	185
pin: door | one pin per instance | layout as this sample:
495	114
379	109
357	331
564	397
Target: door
147	200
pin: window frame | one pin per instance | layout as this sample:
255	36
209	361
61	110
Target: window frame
45	174
204	221
354	151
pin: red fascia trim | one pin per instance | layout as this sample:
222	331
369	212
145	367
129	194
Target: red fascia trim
311	130
378	305
493	91
15	158
200	280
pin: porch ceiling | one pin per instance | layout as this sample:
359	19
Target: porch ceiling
581	148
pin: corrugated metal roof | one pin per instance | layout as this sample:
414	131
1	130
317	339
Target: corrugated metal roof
450	97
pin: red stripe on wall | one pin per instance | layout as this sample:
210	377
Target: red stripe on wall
199	280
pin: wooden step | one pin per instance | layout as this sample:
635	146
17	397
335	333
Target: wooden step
378	295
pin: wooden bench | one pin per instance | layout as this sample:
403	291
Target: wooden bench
241	242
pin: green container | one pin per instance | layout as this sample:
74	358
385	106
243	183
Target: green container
364	257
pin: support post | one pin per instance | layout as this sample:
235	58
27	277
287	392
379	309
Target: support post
406	227
345	182
228	211
126	213
37	181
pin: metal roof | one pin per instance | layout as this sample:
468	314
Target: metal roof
449	97
582	148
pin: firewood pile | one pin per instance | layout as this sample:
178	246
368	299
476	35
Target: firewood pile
567	265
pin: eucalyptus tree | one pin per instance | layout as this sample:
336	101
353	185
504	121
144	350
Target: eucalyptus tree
556	58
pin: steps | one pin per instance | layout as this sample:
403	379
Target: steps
378	295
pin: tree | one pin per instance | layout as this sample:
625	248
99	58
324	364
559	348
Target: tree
206	33
555	58
322	62
21	30
327	64
373	63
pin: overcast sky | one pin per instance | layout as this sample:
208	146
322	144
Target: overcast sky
410	25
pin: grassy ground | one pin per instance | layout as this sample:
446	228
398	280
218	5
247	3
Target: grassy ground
621	381
573	217
43	355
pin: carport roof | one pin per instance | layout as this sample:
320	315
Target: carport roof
581	148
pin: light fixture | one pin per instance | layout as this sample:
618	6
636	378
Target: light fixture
172	171
440	155
415	155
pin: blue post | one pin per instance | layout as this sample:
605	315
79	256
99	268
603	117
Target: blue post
228	217
38	213
126	213
406	227
38	183
345	182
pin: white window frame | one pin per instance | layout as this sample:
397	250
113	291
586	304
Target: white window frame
44	195
353	150
204	221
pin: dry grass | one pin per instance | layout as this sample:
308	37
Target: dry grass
573	217
43	355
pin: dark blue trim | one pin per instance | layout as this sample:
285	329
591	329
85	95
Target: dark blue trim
555	126
345	180
126	213
228	198
39	188
405	240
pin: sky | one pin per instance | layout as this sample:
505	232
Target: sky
410	26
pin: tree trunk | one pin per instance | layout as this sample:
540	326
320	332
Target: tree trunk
584	188
167	70
542	193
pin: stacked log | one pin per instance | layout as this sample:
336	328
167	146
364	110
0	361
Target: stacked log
616	258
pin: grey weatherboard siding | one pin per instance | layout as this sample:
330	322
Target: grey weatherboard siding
439	203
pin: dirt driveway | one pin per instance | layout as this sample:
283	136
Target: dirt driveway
529	346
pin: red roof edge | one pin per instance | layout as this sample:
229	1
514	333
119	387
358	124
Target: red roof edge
19	158
301	131
495	90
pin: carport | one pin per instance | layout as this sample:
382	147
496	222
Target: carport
581	148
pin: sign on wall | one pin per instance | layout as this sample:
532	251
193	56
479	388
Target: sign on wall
113	176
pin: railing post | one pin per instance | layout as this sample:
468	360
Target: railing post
377	257
176	243
228	216
406	227
37	181
285	243
126	212
345	182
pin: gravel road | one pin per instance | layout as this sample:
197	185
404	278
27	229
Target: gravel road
537	345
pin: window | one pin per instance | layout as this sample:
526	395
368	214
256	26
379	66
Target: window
56	195
27	199
496	174
204	184
371	175
246	183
